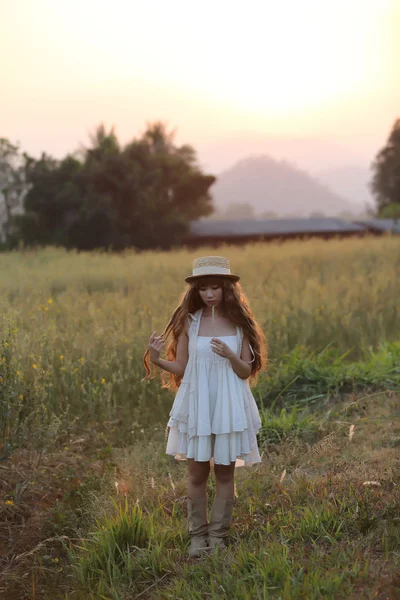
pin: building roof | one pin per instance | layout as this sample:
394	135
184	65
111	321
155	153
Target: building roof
380	224
259	227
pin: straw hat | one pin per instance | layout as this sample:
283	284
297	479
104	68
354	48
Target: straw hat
206	266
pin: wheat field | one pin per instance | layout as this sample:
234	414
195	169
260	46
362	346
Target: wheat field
78	324
81	433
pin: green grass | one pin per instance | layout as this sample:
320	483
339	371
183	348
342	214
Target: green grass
37	406
305	525
75	416
74	328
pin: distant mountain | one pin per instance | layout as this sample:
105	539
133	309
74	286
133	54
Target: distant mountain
308	152
272	185
351	182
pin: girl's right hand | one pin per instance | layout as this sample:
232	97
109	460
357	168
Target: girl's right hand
155	346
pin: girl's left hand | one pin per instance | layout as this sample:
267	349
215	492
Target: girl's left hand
221	348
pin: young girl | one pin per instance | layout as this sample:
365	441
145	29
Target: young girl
216	346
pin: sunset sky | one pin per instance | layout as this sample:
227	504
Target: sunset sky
212	69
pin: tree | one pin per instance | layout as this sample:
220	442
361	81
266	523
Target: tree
155	187
385	184
346	215
239	210
268	214
13	186
52	201
144	194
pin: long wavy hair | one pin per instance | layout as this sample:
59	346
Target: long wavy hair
235	307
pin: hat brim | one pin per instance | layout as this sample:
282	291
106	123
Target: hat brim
194	277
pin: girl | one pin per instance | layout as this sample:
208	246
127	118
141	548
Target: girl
216	346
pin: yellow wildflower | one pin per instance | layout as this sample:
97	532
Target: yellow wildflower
34	366
103	380
9	503
21	396
82	360
50	301
46	308
61	356
19	373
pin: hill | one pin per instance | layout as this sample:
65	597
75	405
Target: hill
351	182
311	153
276	185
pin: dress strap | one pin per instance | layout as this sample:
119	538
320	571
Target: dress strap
254	356
194	326
240	336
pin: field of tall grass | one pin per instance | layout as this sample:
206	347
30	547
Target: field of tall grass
77	421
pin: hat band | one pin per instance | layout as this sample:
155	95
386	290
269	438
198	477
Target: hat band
211	271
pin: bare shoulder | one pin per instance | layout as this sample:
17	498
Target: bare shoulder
245	339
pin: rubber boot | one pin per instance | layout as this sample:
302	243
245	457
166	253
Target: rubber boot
198	526
220	522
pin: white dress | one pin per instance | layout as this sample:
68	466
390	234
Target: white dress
214	414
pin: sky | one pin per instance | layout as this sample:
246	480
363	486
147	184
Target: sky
216	71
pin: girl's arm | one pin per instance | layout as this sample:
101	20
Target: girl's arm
242	365
177	366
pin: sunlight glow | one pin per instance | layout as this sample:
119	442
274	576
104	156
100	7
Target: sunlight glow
280	66
262	55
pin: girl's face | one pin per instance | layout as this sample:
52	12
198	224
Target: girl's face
211	293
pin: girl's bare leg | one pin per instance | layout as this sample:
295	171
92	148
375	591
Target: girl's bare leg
198	477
